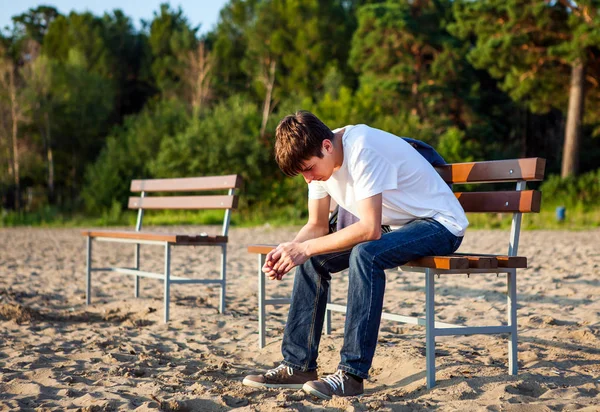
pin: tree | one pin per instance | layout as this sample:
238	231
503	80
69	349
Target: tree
170	37
540	51
196	67
404	52
34	23
37	77
130	61
228	43
83	92
11	83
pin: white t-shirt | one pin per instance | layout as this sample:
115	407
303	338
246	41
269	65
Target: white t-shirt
379	162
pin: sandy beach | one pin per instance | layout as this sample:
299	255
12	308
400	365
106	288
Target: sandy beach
56	353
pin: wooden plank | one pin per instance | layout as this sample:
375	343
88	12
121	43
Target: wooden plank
479	261
186	184
261	249
200	240
525	201
530	169
437	262
504	261
184	202
156	236
440	262
116	234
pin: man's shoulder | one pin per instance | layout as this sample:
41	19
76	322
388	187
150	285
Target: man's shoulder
358	135
366	137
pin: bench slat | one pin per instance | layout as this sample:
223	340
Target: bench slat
180	239
504	261
261	249
186	184
531	169
184	202
440	262
479	261
513	201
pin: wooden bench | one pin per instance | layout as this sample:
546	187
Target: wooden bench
167	240
517	202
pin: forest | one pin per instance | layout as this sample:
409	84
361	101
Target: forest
88	103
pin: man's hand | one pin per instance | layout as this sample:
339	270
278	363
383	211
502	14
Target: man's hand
284	258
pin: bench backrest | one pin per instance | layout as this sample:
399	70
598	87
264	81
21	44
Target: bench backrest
186	184
518	201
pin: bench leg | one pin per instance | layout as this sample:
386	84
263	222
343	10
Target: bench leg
88	275
328	313
136	264
429	327
223	278
511	286
261	302
167	280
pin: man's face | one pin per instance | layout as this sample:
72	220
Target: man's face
319	169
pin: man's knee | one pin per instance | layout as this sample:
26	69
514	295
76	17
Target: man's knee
313	265
363	251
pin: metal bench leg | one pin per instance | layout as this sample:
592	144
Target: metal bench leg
328	313
88	276
429	327
223	278
167	279
261	302
511	285
136	264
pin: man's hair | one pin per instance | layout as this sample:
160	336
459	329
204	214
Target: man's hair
299	137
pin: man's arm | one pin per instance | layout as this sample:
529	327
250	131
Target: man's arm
288	255
318	220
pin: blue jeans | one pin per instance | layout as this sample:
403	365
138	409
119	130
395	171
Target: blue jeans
367	262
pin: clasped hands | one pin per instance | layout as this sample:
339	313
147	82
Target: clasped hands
284	258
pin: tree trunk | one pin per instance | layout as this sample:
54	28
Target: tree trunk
50	159
570	160
268	96
15	130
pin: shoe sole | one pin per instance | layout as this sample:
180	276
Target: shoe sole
248	382
312	391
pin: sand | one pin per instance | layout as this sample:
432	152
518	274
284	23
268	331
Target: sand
56	353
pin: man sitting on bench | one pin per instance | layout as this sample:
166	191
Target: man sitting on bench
382	180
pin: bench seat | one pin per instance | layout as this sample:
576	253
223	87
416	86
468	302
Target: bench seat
451	262
172	238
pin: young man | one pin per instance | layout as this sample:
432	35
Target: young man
382	180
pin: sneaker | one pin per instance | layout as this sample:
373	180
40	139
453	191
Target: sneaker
281	377
338	384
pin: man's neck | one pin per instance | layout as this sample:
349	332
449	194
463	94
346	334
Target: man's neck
339	149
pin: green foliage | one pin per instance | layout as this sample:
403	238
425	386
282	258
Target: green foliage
454	147
405	55
169	39
129	152
582	191
301	39
529	45
222	141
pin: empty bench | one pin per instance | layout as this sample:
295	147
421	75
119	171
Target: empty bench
517	202
167	240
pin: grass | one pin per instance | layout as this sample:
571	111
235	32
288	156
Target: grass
577	218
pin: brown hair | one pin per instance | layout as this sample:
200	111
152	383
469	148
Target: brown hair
299	137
